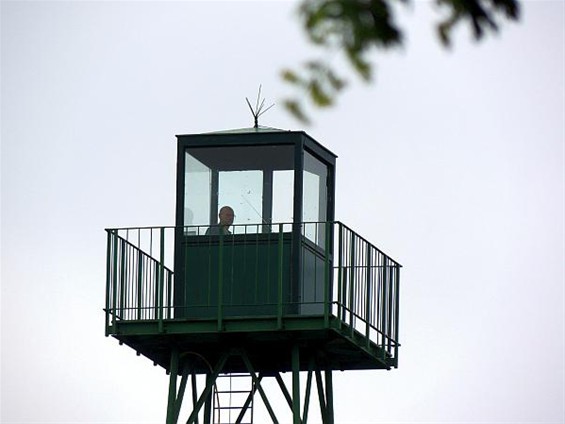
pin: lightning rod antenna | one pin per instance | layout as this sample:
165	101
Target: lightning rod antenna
259	108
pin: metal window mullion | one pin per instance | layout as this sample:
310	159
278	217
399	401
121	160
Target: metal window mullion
280	278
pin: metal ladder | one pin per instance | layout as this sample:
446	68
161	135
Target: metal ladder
233	399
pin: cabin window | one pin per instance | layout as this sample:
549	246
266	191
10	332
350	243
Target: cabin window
257	182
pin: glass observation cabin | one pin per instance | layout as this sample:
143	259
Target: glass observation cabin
283	273
273	256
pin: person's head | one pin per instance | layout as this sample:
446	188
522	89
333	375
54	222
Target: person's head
226	216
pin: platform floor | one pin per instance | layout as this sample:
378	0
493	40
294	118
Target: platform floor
267	345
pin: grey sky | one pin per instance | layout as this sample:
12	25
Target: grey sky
452	163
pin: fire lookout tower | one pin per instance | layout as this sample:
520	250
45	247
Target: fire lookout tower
279	287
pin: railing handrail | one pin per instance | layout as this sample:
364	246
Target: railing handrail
396	263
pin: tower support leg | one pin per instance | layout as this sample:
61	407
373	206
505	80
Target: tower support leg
296	385
316	369
329	396
173	370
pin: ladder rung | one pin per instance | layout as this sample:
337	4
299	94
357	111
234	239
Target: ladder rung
243	422
229	407
233	391
235	376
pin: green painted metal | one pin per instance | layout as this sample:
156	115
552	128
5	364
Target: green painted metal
321	395
232	275
180	395
280	277
172	387
369	296
327	285
329	396
396	310
182	364
357	286
161	281
108	282
296	385
194	392
263	299
352	282
210	380
308	390
114	272
139	283
220	281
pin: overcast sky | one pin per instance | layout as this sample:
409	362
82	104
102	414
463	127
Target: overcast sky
451	162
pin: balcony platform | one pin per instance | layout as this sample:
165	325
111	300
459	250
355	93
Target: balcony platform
266	340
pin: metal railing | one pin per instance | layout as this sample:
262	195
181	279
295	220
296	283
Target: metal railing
340	274
366	289
138	286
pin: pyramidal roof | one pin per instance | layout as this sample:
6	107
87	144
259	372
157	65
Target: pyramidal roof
258	129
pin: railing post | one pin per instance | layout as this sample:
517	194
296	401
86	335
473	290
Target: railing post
108	280
161	279
122	256
327	276
343	270
385	305
390	308
169	295
139	284
339	273
369	293
115	280
396	312
352	281
220	281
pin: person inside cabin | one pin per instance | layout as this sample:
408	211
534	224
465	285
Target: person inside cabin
226	217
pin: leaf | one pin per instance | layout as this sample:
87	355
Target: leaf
290	76
318	95
295	109
362	67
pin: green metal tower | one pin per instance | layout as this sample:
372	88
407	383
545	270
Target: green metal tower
255	279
